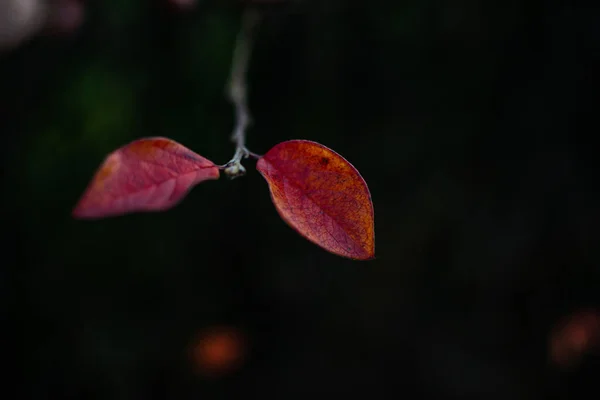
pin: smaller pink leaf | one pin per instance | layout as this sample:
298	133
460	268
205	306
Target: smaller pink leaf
151	174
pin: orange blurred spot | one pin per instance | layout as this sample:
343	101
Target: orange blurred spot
219	351
574	336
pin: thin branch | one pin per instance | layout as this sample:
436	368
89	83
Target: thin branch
237	91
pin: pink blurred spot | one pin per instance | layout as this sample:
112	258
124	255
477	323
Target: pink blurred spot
183	4
65	16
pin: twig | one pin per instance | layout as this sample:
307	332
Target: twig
237	92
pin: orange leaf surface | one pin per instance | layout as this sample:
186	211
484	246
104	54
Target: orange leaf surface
151	174
321	195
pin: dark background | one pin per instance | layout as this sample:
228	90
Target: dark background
473	123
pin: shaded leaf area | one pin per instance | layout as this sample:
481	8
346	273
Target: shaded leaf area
321	195
470	121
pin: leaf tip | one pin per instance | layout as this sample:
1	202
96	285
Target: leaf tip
83	211
78	212
368	255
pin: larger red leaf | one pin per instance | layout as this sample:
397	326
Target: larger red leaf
151	174
322	196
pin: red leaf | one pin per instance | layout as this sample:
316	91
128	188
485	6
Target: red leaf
321	195
151	174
